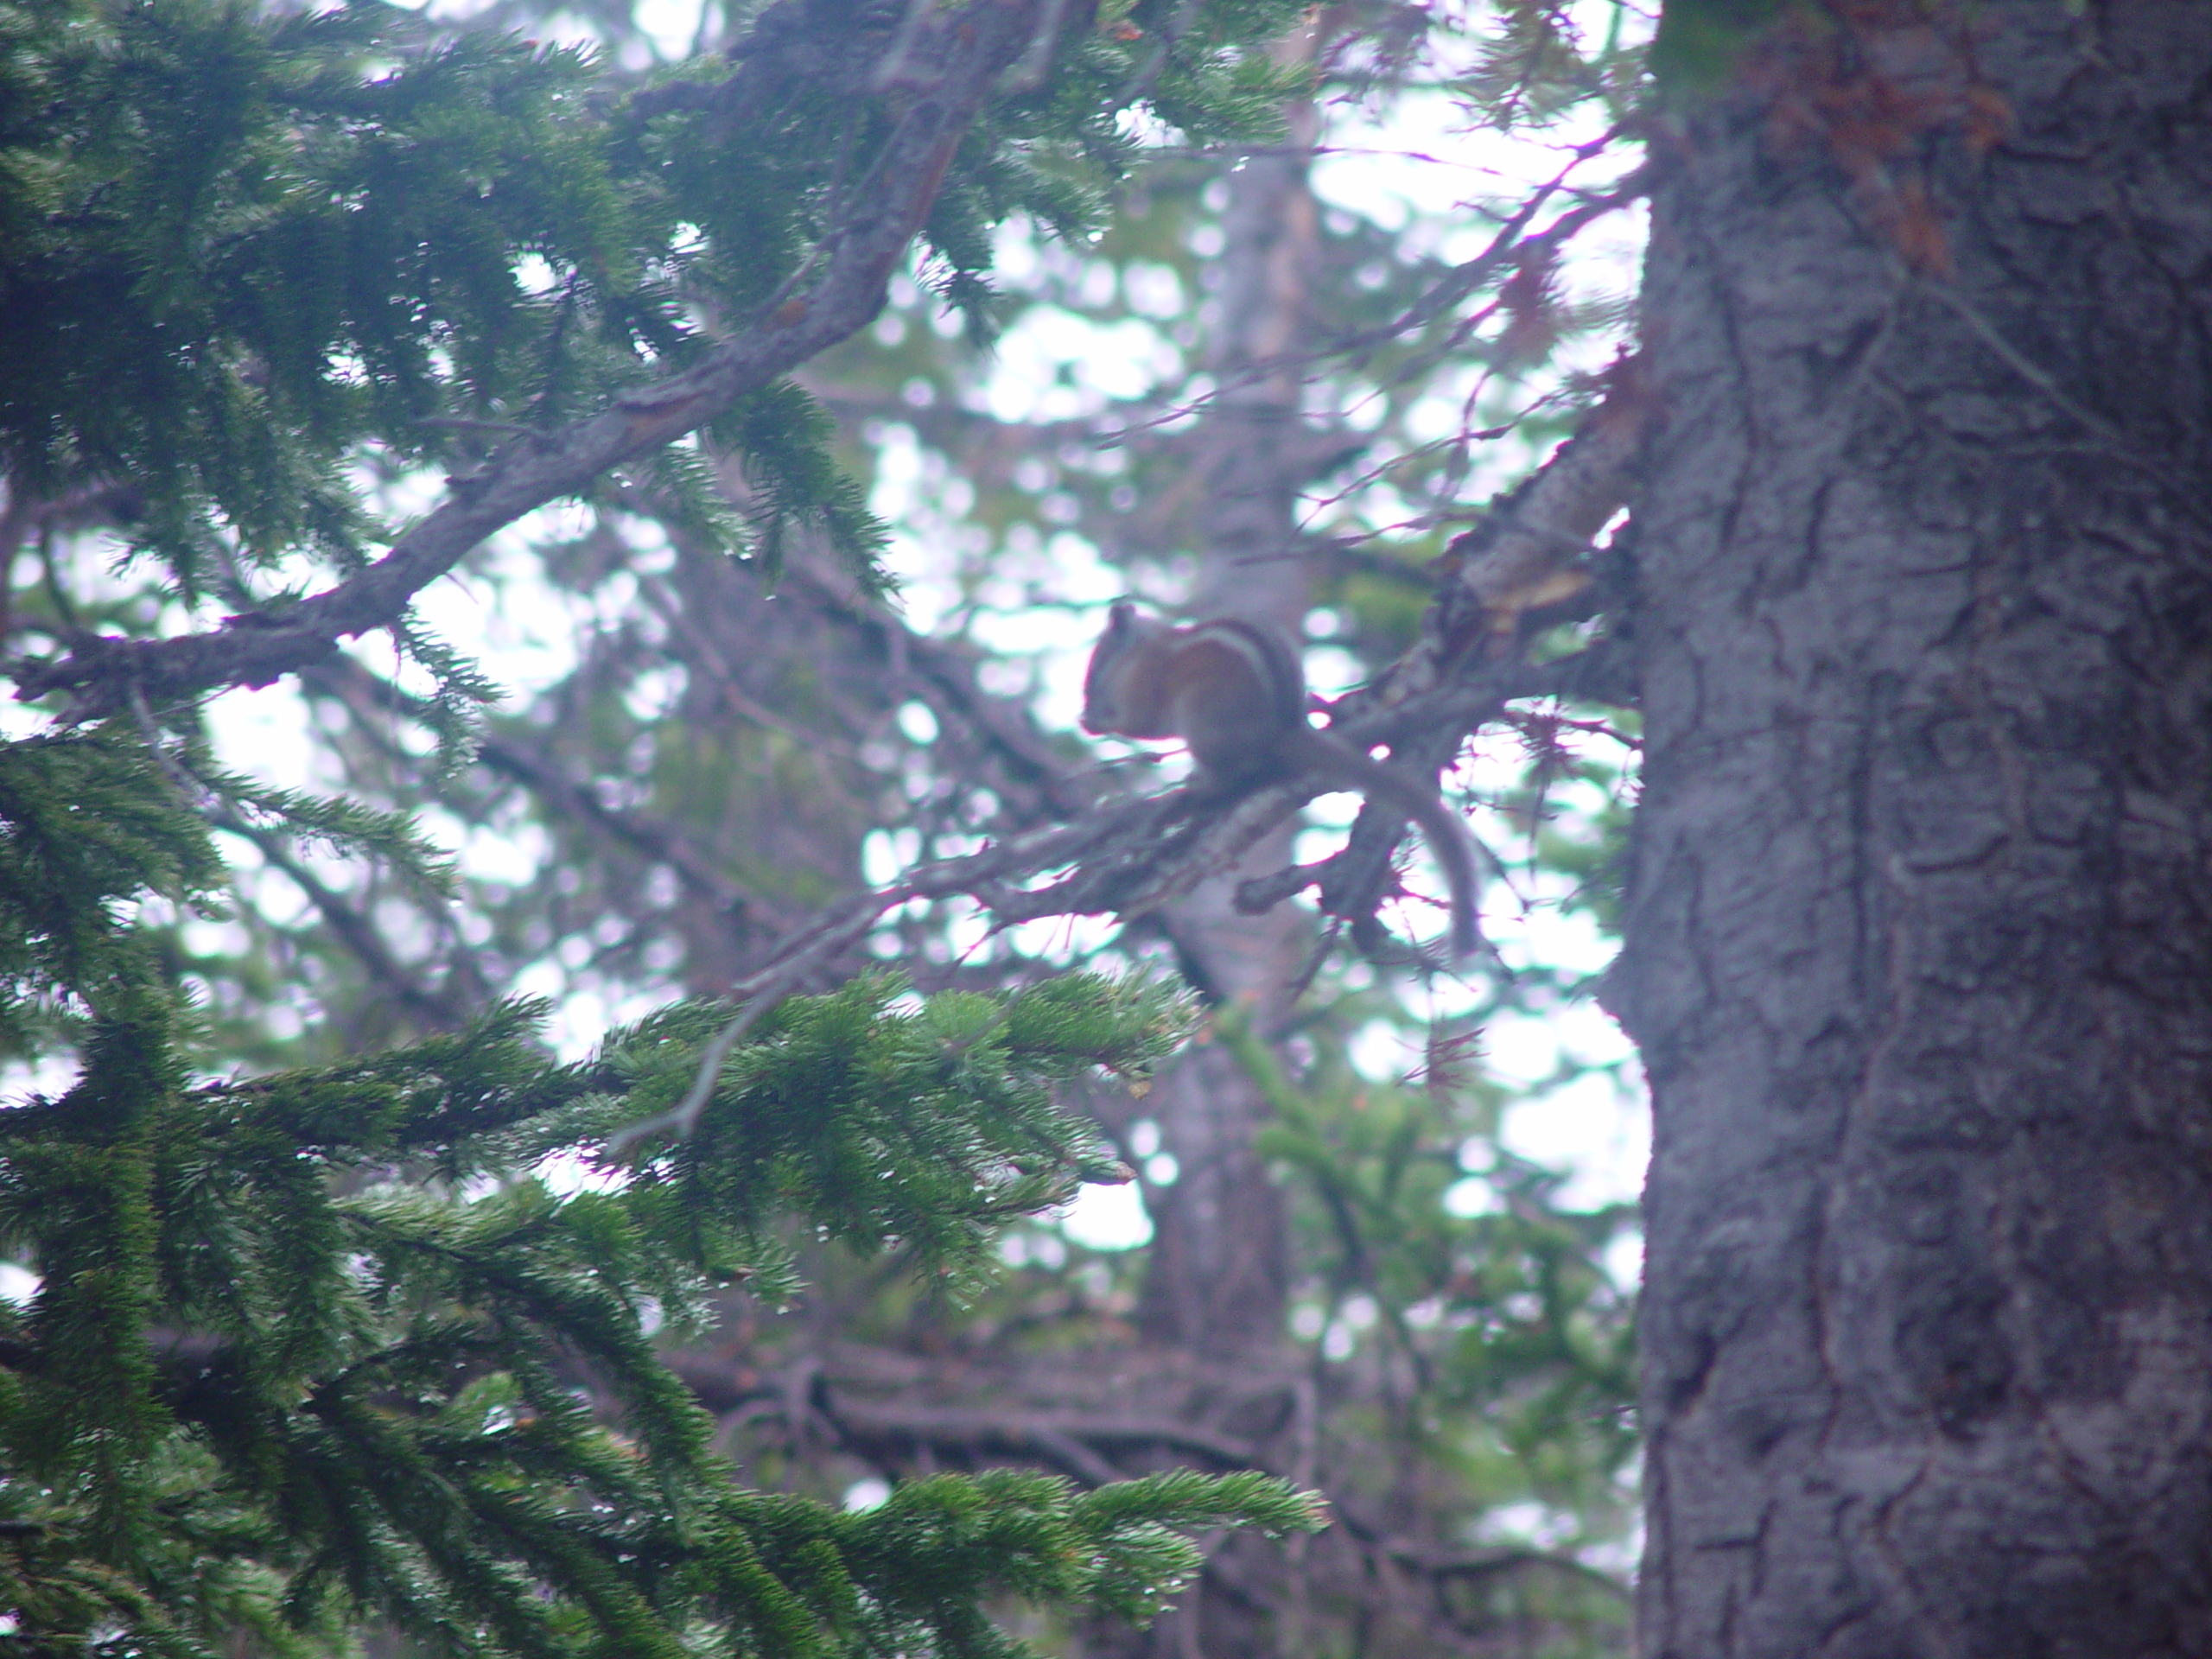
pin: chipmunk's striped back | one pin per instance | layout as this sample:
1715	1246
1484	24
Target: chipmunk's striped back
1234	692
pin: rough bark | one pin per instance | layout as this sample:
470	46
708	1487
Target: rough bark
1918	950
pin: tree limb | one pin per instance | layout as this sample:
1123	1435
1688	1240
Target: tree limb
952	59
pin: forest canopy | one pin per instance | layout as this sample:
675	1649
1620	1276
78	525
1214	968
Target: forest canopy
355	1310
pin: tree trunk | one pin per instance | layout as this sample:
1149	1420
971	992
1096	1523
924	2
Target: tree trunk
1918	950
1218	1278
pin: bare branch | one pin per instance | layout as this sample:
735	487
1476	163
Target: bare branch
1532	548
1132	856
684	1116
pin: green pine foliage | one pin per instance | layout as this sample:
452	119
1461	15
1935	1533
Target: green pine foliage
242	245
1495	1348
240	251
310	1348
87	830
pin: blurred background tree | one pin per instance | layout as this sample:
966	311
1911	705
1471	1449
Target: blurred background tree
1263	344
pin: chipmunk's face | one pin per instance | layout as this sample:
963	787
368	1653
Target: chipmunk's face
1106	689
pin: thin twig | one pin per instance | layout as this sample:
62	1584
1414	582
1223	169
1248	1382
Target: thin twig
353	930
684	1116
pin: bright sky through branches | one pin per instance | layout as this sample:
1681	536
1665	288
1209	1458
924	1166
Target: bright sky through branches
1415	170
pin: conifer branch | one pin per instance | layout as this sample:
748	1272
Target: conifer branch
684	1116
951	66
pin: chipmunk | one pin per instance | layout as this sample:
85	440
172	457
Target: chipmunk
1236	693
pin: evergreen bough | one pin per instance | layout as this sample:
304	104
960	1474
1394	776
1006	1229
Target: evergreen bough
313	1348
